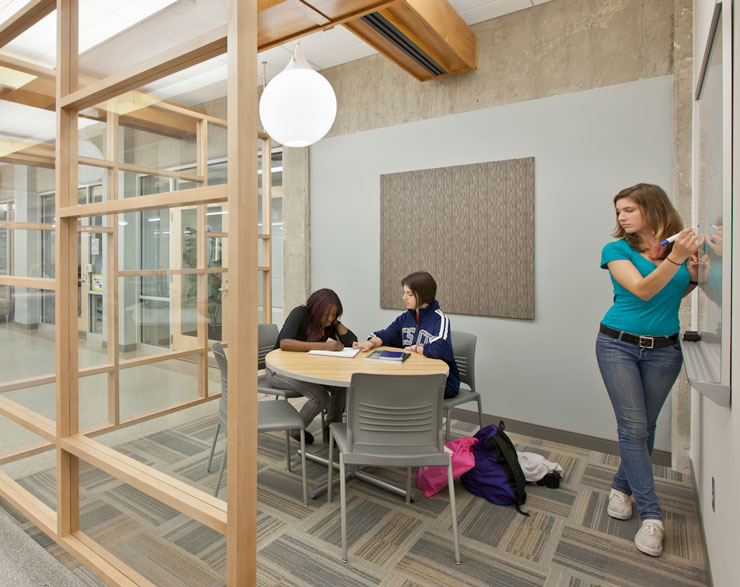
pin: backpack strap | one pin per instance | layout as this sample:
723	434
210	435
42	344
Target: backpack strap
506	455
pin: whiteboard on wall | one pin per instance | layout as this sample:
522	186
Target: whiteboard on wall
708	360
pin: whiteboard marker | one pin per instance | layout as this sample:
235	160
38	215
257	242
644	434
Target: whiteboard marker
670	239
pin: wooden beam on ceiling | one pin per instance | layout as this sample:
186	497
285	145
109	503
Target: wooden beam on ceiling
427	38
282	21
40	93
26	66
24	19
194	51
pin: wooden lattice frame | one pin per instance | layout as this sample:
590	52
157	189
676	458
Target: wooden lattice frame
240	194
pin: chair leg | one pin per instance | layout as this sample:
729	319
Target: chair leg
447	426
343	500
220	473
303	466
480	414
408	484
331	467
453	510
213	446
287	450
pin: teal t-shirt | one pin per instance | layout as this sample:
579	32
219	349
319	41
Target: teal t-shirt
657	316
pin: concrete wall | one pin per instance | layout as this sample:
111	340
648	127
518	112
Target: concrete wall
558	47
715	431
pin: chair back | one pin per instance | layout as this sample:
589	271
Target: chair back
463	347
223	365
395	410
267	335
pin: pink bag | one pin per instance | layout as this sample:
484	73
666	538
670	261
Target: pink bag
433	478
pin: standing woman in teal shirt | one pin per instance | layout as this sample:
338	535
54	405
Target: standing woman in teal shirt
637	346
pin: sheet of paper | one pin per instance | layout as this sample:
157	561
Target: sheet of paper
346	352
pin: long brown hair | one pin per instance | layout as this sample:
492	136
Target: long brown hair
658	212
318	304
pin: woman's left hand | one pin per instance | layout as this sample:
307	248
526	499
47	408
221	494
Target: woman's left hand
692	264
415	348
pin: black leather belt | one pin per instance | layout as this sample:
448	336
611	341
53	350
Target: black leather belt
646	342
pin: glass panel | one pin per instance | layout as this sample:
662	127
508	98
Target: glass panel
28	347
26	252
189	223
155	251
133	525
189	312
277	252
215	218
36	474
41	399
91	352
215	306
6	211
157	385
217	143
93	401
217	173
155	322
154	149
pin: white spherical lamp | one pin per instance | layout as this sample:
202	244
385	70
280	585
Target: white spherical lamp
298	106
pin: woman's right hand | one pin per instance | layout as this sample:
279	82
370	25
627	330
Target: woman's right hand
333	345
685	245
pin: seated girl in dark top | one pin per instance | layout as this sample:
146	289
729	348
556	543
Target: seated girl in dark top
315	326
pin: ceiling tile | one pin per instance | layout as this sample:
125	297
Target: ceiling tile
489	10
344	56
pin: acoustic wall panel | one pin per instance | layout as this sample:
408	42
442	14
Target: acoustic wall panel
471	227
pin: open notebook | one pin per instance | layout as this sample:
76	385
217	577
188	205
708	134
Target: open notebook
346	352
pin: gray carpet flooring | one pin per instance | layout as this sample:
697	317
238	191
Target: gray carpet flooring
567	540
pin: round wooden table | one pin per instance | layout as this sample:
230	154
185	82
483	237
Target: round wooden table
338	371
327	370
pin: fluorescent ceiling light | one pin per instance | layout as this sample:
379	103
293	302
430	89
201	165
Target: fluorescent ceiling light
129	102
8	146
99	21
14	79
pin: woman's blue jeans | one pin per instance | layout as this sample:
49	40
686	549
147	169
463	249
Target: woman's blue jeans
638	381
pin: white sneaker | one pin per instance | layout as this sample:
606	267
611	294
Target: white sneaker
649	538
620	505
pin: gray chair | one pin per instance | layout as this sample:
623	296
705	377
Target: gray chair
271	416
392	421
267	335
463	347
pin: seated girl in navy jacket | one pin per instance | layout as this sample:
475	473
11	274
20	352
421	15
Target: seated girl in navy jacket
422	329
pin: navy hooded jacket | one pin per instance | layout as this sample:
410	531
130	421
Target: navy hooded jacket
432	331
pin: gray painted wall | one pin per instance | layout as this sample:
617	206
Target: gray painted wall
587	146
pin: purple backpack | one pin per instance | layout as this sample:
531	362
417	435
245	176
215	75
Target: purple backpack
497	475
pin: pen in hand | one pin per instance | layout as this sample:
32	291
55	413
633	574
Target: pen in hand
671	238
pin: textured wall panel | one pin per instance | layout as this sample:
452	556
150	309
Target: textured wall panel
471	227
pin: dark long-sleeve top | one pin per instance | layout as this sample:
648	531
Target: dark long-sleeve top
432	331
296	328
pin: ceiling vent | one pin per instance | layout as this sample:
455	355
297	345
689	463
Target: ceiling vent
427	38
385	28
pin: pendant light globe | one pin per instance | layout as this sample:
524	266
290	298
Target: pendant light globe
298	106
